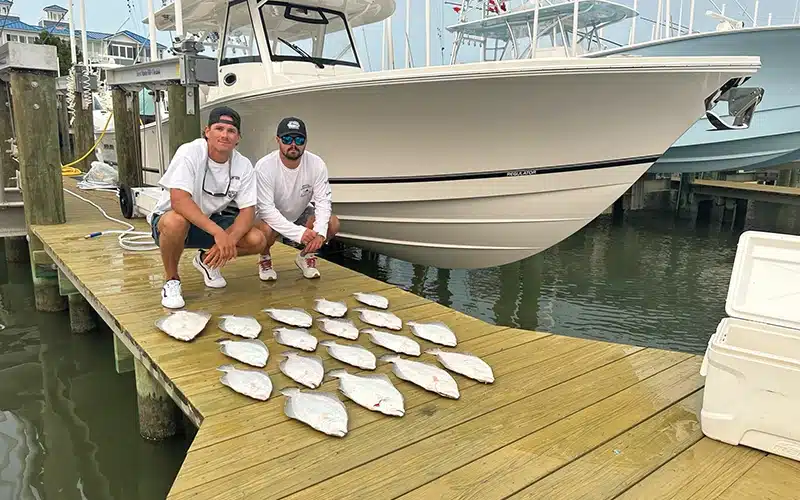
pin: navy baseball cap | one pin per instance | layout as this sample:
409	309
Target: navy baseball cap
292	126
220	114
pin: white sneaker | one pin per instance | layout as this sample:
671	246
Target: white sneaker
265	271
211	275
171	295
308	264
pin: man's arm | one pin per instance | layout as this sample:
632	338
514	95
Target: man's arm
270	214
322	203
246	200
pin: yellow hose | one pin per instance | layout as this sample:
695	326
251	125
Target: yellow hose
68	169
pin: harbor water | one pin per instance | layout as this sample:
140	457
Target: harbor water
68	421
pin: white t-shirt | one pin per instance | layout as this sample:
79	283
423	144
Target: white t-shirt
283	193
187	169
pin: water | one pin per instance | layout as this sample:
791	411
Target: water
653	282
68	421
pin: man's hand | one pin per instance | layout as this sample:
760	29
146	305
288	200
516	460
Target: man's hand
223	251
308	236
314	244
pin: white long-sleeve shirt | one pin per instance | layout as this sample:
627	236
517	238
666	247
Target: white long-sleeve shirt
284	193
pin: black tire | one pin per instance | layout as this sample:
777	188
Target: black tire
126	202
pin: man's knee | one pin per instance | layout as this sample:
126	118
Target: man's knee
270	235
254	240
333	227
173	224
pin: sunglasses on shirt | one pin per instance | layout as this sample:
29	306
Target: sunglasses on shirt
287	139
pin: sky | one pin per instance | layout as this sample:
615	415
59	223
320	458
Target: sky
113	15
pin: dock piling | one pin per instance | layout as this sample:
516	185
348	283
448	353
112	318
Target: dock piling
158	414
16	249
83	124
31	71
126	136
8	166
81	314
184	115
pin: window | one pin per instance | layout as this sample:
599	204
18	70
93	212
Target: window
12	38
240	45
122	51
313	34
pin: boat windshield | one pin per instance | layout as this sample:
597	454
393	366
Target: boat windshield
239	45
313	34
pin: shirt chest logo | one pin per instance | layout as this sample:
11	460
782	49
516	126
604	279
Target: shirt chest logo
305	190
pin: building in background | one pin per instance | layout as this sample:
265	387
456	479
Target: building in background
124	47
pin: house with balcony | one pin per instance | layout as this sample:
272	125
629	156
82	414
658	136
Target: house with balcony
123	48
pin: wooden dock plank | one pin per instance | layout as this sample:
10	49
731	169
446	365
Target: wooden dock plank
406	469
771	478
621	462
273	473
566	417
703	471
521	462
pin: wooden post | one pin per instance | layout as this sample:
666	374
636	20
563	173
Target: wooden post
158	414
63	130
123	359
8	166
127	138
83	126
183	126
81	314
33	95
17	249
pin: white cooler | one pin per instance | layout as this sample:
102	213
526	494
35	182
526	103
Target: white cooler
752	364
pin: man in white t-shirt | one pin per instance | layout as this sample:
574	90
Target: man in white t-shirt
289	180
208	202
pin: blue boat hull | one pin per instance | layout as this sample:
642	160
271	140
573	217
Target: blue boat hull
773	137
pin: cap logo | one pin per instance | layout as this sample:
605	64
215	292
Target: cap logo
293	124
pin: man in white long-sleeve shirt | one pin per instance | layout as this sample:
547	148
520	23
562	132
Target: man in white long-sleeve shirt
289	180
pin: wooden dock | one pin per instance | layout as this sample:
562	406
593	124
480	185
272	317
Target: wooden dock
565	418
750	191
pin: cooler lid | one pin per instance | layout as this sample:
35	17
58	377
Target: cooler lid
765	282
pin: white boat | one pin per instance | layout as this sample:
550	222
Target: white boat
464	166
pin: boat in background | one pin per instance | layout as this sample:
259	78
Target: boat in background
773	137
505	184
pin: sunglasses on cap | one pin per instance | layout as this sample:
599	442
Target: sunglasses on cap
287	139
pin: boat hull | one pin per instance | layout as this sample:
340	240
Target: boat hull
773	137
478	165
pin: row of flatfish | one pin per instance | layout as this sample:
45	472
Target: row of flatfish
323	411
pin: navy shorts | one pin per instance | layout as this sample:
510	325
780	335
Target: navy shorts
196	237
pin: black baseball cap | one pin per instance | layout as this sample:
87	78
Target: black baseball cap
292	126
219	114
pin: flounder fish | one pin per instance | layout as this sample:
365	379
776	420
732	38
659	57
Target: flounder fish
303	369
293	317
381	319
374	392
253	383
435	331
352	354
427	376
299	338
183	325
330	308
322	411
344	328
397	343
466	364
243	326
372	299
251	351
